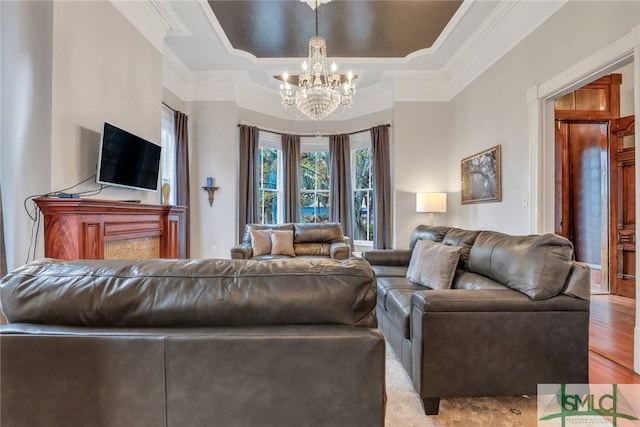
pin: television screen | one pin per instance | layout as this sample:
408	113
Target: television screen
126	160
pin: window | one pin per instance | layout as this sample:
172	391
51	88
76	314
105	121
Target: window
361	179
168	153
269	178
314	179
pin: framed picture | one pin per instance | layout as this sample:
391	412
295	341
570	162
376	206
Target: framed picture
481	177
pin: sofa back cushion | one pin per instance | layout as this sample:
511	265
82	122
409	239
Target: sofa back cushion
534	265
325	232
191	293
463	239
427	232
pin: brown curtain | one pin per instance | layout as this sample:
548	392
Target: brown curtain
340	186
381	186
291	166
3	253
248	169
182	172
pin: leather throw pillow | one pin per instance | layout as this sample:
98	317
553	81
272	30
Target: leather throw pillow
260	242
433	264
282	242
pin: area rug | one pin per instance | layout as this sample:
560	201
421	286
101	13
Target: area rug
404	407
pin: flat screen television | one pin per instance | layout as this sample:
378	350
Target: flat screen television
126	160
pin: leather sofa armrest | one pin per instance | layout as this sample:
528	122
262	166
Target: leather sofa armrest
339	250
490	300
242	251
399	257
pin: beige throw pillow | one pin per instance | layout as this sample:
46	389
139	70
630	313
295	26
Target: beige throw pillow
282	242
433	264
260	242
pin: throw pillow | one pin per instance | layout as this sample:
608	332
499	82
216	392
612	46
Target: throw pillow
282	242
261	242
433	264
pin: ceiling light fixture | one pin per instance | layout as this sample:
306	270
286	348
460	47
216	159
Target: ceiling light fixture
320	89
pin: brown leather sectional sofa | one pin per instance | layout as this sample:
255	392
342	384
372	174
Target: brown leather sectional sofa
324	240
191	343
517	315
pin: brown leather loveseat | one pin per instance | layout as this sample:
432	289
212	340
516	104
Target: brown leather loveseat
515	314
191	343
309	240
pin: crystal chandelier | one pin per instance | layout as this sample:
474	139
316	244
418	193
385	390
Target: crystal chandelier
320	90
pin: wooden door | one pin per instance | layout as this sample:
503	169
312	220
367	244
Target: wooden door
623	207
582	202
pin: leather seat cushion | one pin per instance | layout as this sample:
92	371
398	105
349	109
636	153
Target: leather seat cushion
386	284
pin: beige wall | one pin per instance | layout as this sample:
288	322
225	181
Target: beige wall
66	68
111	73
420	138
25	123
493	109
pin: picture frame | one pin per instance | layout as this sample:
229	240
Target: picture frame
481	177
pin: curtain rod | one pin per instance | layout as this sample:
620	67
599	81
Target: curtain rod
169	106
314	135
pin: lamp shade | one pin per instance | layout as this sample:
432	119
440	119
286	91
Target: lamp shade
431	202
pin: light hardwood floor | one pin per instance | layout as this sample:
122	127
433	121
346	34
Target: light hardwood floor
611	340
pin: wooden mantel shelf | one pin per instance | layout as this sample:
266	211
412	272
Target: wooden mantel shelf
79	228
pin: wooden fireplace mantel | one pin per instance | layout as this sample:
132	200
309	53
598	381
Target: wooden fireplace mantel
80	228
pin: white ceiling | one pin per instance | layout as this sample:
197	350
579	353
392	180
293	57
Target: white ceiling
200	63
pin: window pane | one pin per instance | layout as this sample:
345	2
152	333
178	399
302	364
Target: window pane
322	170
268	202
268	158
363	168
168	154
314	186
362	194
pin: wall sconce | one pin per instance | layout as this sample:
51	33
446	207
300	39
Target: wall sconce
210	188
431	203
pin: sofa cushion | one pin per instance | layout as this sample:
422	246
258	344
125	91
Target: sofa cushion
534	265
578	282
399	309
433	264
191	293
468	280
385	284
327	232
464	239
260	242
390	270
282	242
312	249
427	232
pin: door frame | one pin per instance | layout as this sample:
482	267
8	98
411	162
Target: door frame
540	100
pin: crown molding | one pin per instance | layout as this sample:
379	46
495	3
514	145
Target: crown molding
508	24
504	29
154	19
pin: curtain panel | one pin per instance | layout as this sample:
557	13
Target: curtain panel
381	186
182	172
340	187
248	170
291	166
